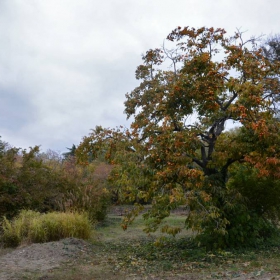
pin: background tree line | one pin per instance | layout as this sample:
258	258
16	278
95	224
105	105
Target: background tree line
47	182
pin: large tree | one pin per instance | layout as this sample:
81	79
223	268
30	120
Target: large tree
178	152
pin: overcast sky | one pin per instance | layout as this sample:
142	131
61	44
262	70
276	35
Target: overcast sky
66	65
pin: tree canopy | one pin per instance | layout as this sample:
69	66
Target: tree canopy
178	151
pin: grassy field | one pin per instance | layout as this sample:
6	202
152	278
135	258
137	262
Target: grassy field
132	254
132	251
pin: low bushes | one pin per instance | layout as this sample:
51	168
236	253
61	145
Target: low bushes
89	193
33	227
26	182
92	199
45	182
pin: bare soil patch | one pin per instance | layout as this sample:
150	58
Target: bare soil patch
41	257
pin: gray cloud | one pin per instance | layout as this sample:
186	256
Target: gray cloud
14	108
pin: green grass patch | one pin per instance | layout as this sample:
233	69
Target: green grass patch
110	229
181	256
33	227
133	251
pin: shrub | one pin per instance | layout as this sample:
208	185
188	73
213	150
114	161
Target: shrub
261	192
253	218
92	199
90	193
44	182
27	183
33	227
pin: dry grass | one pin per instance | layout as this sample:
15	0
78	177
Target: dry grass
33	227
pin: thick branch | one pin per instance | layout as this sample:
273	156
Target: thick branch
224	108
203	155
198	162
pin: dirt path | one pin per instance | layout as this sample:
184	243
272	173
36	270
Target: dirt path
40	258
